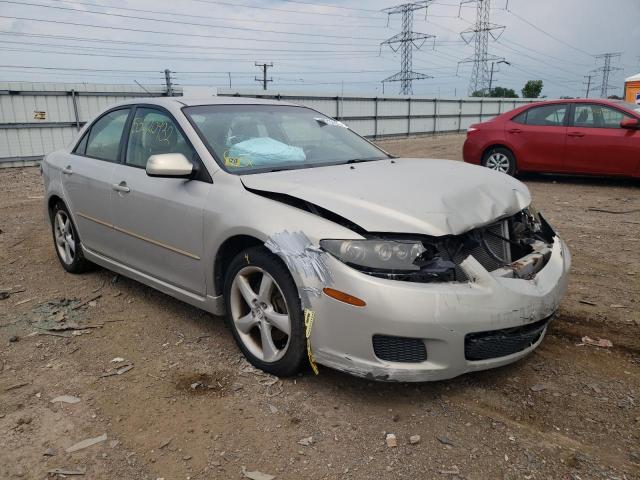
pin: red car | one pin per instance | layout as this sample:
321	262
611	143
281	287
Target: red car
582	136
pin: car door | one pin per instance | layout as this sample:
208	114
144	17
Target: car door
86	180
158	222
537	137
596	143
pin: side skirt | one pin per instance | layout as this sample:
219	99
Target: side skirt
213	305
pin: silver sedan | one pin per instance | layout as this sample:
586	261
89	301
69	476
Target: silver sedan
318	246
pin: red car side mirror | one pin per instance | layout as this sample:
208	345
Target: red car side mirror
631	123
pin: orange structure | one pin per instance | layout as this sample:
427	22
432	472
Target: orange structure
632	89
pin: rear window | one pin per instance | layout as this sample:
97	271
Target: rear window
544	115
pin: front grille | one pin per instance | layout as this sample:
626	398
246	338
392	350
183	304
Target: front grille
499	343
497	245
399	349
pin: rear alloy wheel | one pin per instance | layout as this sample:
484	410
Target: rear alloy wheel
501	160
67	242
264	312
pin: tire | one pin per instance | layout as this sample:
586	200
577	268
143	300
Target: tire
500	159
66	241
267	323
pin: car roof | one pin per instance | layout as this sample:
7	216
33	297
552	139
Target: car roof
192	101
604	101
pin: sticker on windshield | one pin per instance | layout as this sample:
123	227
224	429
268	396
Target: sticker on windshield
236	162
330	121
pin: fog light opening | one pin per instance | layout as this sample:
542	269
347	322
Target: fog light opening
344	297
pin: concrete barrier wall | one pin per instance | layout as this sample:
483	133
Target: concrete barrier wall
37	118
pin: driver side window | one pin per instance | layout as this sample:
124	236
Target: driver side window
154	132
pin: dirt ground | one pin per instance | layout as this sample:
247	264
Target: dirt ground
191	408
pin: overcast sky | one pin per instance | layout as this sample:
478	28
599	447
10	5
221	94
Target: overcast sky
323	47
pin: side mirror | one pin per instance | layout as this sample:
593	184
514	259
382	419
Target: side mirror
173	165
631	123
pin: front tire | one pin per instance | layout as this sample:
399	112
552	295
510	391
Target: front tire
500	159
67	242
264	312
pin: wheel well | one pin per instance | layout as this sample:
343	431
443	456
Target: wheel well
497	145
52	201
227	252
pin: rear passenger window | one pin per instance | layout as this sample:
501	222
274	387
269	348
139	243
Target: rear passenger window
547	115
105	135
520	118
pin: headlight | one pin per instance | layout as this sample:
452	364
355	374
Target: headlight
376	254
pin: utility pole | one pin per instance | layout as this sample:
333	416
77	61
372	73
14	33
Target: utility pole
588	77
229	73
406	41
491	76
167	80
605	70
480	33
264	78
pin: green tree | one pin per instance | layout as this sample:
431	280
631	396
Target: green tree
496	92
501	92
532	89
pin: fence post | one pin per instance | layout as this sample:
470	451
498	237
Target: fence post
481	105
375	118
75	108
460	117
409	117
435	115
337	107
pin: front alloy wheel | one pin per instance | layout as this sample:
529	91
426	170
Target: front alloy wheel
264	312
260	314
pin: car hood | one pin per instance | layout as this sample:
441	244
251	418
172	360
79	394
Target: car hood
404	195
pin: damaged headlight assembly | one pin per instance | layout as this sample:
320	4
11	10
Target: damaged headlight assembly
388	258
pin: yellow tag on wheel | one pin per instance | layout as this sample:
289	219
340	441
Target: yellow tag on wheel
309	317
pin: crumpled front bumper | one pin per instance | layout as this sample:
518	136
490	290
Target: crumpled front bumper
439	314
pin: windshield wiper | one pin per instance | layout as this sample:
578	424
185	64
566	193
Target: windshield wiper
360	160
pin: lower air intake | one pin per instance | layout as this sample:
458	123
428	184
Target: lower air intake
399	349
500	343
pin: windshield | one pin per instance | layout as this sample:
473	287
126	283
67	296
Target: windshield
258	138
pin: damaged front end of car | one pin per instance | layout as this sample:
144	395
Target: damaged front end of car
517	246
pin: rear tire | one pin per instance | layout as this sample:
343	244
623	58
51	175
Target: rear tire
66	241
264	313
500	159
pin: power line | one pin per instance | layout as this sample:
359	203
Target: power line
480	33
160	32
314	4
192	24
405	42
219	50
550	35
213	17
255	7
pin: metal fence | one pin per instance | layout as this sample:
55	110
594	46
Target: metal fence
37	118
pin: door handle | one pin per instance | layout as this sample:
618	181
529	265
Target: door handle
514	130
575	134
121	187
67	170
